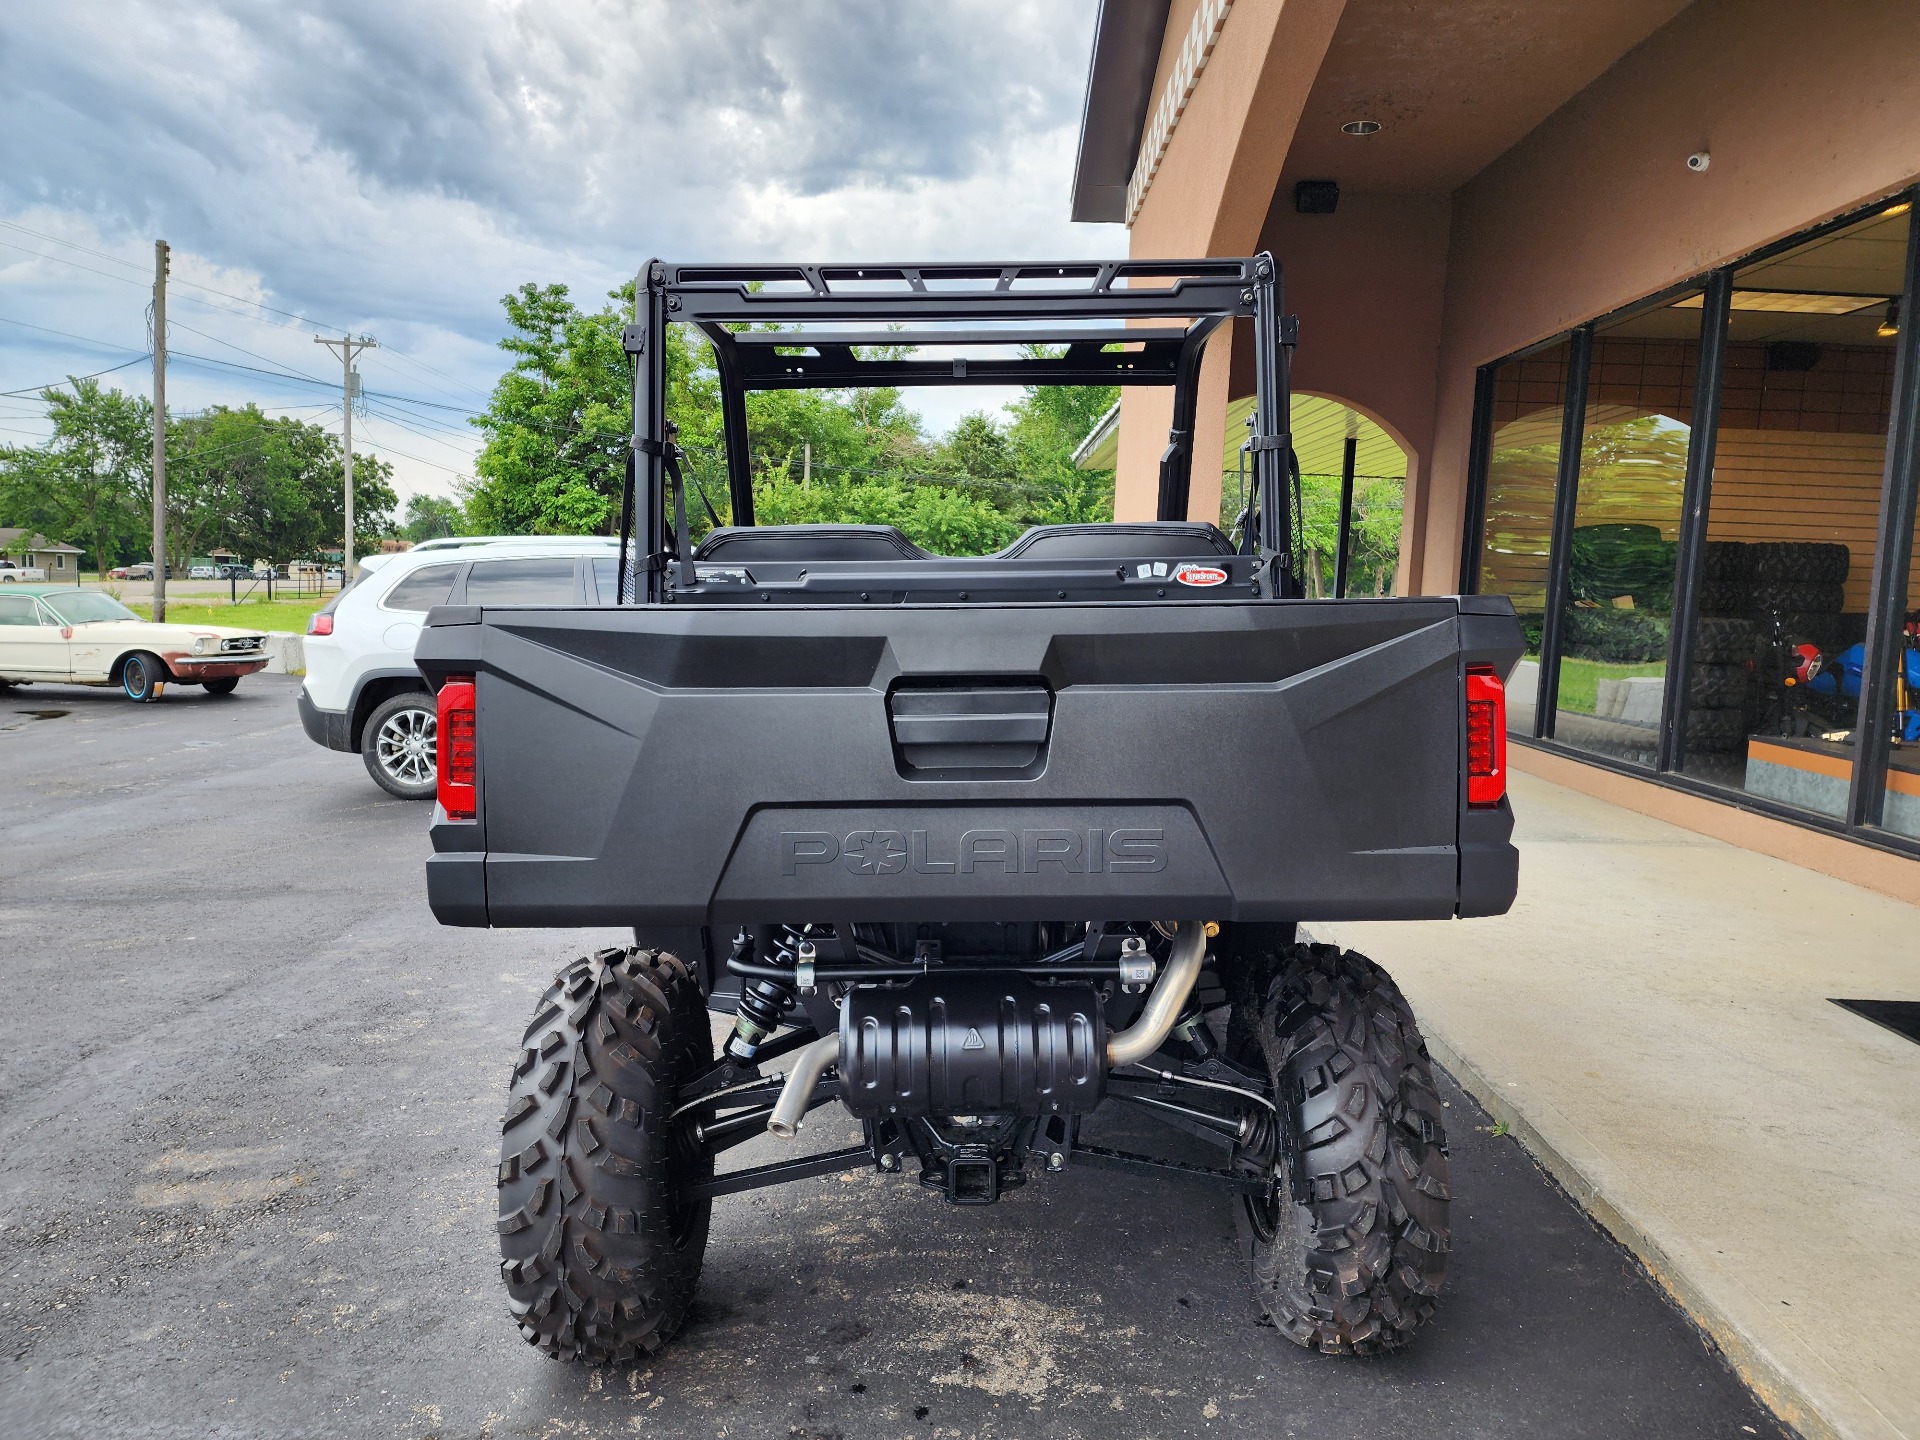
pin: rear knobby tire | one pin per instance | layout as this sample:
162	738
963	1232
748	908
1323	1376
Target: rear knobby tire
600	1255
1349	1255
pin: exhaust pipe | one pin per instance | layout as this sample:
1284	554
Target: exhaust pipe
1125	1047
1169	997
811	1063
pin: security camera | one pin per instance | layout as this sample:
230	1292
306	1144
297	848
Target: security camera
1699	161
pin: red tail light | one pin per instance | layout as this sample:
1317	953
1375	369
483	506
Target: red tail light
1486	737
454	750
320	623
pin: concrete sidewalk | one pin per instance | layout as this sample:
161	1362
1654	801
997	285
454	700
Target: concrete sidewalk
1652	1021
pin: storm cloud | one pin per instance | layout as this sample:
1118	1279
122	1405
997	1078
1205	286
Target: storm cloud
396	167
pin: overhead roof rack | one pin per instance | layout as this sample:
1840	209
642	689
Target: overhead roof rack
1080	306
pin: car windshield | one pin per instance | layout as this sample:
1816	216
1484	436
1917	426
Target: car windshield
84	607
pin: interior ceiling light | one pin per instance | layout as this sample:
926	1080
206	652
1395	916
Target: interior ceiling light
1360	127
1902	208
1790	302
1889	325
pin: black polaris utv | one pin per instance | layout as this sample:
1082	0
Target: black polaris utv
972	845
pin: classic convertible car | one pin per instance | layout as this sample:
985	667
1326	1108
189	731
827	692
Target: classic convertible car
82	637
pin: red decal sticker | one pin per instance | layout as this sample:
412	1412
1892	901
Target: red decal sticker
1200	575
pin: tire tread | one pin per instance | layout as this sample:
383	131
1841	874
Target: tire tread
592	1270
1360	1250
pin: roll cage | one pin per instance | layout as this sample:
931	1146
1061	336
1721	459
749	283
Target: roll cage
1084	306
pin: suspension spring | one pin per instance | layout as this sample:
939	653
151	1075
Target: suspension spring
761	1007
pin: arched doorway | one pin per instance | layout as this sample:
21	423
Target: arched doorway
1321	426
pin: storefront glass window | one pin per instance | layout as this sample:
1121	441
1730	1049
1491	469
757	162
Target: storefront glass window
1902	803
1529	403
1794	516
1626	525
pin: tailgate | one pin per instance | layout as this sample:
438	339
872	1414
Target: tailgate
687	766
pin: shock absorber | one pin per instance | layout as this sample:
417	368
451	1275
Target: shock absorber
761	1008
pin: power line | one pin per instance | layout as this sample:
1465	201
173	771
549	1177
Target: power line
250	369
440	438
69	335
56	384
223	294
421	460
191	284
421	364
244	351
71	245
62	260
424	435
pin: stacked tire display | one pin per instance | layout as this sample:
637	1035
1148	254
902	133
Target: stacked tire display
1744	587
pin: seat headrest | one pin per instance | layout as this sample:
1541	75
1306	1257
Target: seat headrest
1121	540
744	543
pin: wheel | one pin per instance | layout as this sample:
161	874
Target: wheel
222	687
1801	563
1349	1251
1800	597
1725	597
1723	642
1722	729
142	676
1727	560
398	745
600	1254
1722	685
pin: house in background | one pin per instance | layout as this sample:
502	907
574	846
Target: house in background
36	552
1629	287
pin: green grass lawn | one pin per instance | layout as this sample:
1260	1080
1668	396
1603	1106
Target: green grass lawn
1580	680
247	615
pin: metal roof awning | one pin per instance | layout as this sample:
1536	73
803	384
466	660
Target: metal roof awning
1320	428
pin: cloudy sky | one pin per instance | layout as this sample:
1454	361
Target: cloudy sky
395	166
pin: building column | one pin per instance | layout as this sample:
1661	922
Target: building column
1210	196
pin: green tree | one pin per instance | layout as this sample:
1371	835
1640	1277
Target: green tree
91	483
1048	424
560	418
976	449
559	421
432	517
270	488
1375	556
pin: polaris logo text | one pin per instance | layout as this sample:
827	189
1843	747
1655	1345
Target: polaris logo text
1092	851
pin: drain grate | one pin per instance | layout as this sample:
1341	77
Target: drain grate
1900	1016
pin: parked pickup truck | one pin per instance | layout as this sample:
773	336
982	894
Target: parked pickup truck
970	846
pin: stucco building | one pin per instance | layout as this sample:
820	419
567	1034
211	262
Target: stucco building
1627	285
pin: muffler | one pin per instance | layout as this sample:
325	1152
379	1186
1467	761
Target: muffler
966	1043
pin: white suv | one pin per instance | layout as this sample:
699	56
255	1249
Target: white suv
362	691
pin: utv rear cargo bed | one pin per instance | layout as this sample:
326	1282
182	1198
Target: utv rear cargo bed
716	766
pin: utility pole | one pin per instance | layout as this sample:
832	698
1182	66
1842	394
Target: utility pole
806	462
349	392
159	431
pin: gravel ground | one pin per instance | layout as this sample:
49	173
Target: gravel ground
248	1111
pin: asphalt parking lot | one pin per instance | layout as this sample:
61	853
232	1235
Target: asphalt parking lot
248	1103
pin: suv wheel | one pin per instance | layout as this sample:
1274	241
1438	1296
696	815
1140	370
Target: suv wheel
398	745
1349	1247
599	1245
